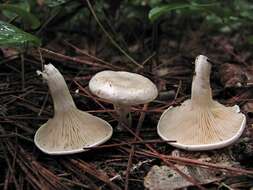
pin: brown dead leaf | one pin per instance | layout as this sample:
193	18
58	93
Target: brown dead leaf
9	52
232	75
164	178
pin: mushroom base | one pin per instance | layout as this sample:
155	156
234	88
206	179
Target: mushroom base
201	128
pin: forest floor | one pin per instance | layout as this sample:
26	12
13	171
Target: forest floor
119	164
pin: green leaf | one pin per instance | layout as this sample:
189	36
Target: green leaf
22	4
156	12
11	36
28	18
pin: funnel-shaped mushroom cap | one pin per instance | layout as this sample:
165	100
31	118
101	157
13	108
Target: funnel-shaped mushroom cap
201	123
70	130
120	87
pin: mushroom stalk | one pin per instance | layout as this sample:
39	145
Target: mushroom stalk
125	118
201	91
61	96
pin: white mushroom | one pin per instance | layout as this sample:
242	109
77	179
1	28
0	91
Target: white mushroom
123	89
201	123
70	130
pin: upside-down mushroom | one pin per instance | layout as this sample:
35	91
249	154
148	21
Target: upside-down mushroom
70	130
201	123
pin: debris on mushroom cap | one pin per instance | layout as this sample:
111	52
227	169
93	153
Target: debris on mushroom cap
122	87
201	123
70	130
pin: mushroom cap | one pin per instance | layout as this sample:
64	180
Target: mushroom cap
215	127
120	87
71	131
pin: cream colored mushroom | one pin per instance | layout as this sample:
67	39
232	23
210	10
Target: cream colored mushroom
201	123
70	130
123	89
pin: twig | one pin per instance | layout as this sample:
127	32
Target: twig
22	71
189	161
55	55
43	105
85	167
129	144
93	57
109	36
12	172
137	132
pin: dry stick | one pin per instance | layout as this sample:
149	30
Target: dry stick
41	59
94	172
43	104
101	111
26	129
21	180
50	177
23	117
189	161
178	90
81	175
22	71
109	36
8	135
148	58
72	59
24	168
43	172
24	160
128	143
15	151
74	182
188	178
210	165
137	132
14	98
6	181
92	56
145	61
12	173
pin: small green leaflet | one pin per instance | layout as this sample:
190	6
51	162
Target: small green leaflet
28	18
11	36
156	12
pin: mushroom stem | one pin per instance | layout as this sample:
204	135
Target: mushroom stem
61	96
201	90
125	118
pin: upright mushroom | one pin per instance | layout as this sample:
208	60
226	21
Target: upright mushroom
201	123
70	130
123	89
